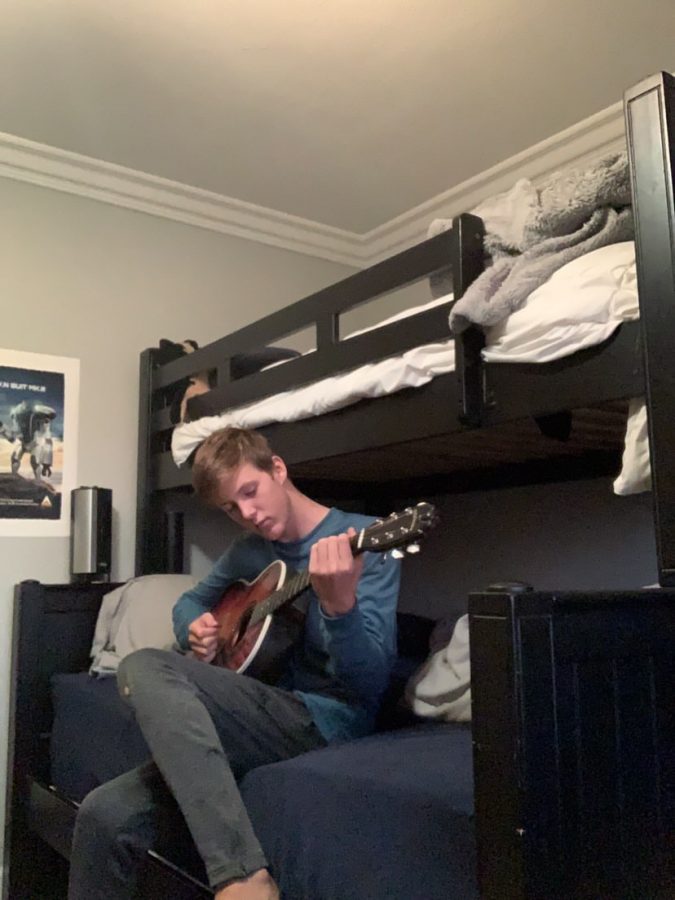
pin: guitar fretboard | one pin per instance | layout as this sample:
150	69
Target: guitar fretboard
291	589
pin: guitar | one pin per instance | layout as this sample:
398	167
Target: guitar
258	627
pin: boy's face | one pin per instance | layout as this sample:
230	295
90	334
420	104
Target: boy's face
257	500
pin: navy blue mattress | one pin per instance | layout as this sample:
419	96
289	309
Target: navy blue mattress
94	734
388	816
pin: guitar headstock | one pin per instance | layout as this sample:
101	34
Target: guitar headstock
402	529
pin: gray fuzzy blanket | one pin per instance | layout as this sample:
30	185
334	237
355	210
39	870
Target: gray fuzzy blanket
573	213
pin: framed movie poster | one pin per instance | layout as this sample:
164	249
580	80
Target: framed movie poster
38	442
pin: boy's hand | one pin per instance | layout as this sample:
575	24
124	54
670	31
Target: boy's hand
335	572
203	637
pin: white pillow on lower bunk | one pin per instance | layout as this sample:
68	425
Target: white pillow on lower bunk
441	689
135	615
636	470
580	306
412	311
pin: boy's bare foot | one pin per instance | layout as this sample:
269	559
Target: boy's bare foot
259	886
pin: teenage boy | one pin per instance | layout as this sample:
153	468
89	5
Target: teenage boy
207	726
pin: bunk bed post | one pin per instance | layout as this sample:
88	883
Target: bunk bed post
159	530
143	488
467	264
650	129
175	541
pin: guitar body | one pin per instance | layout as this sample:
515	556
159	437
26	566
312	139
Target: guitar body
260	650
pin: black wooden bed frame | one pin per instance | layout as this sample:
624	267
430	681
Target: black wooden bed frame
563	808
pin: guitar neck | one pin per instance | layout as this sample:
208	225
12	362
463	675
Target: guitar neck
295	585
399	529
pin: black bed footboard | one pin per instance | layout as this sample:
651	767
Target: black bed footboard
574	744
53	627
52	633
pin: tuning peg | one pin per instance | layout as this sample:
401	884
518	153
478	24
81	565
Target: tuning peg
397	554
413	548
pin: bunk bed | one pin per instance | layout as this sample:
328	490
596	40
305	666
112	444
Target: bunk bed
465	420
562	809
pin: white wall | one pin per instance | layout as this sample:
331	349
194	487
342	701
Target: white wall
83	279
574	535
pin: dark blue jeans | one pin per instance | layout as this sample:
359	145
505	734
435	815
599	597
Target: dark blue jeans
205	727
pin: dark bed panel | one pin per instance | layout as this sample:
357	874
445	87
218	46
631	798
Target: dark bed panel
52	630
474	452
612	370
650	126
52	818
594	447
574	724
404	432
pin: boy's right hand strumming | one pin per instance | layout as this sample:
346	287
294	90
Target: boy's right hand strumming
203	637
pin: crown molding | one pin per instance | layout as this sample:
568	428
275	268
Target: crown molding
62	170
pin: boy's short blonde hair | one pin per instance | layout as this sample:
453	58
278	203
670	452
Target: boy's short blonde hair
223	451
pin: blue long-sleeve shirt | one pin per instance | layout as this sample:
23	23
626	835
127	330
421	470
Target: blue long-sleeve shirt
342	666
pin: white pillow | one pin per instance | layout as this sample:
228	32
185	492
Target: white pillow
441	689
136	615
412	311
579	306
636	470
446	298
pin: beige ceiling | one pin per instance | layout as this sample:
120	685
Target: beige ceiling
346	112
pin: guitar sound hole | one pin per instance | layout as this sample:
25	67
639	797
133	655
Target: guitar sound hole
244	622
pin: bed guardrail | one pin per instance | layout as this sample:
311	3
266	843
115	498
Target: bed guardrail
459	250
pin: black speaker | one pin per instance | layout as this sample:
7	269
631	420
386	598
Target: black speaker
90	534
